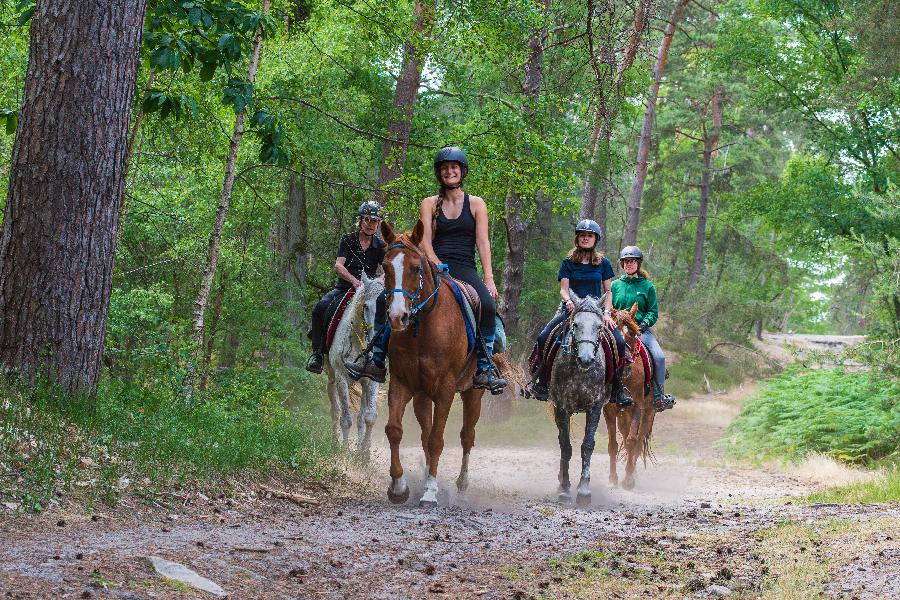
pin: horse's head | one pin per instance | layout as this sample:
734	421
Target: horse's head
404	276
627	325
587	319
372	291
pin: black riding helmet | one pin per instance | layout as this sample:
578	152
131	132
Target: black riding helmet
450	154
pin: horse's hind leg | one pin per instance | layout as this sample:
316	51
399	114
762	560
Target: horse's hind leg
612	446
632	445
565	453
398	397
587	450
435	447
471	413
365	421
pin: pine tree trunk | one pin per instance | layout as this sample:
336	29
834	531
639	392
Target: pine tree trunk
393	154
710	145
293	247
516	223
66	181
215	237
632	219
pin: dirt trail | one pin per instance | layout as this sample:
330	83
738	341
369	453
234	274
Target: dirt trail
693	525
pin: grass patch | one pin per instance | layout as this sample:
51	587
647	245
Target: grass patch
130	439
686	376
881	490
852	417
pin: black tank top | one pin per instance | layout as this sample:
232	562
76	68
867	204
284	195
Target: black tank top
454	239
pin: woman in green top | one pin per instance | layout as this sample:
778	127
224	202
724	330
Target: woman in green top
635	286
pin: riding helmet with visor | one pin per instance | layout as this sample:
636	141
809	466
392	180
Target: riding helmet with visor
631	252
450	154
370	208
588	226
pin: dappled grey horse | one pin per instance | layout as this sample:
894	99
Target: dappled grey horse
578	384
353	333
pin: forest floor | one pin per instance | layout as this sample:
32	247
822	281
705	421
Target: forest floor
696	525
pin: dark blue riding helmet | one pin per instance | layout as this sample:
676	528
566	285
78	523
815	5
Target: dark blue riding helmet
588	226
450	154
370	208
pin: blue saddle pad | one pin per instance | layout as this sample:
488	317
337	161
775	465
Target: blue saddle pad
470	327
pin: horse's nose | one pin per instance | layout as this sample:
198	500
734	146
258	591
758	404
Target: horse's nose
584	363
405	319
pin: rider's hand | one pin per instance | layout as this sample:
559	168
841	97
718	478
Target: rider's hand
610	322
644	326
492	289
356	284
570	306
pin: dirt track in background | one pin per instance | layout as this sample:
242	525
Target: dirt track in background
695	525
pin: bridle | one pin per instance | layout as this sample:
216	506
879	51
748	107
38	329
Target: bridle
416	311
571	342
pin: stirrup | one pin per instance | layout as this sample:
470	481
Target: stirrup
664	402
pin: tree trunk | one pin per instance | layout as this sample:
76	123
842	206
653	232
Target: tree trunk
633	216
293	246
215	237
710	144
516	224
66	181
393	154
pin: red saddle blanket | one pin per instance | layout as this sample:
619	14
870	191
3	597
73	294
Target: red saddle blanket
336	317
555	343
640	348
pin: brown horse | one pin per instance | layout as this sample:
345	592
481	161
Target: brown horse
429	361
635	421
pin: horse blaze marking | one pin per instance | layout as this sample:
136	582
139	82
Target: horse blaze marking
398	306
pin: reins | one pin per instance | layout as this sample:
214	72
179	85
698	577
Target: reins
418	309
570	336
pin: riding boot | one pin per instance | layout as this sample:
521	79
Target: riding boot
662	401
372	366
315	362
620	394
538	388
486	374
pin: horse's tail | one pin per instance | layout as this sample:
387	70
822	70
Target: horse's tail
647	448
512	373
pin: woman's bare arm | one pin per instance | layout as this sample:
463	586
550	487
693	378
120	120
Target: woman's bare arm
483	241
426	214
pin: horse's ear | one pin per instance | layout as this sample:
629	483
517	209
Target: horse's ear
417	233
387	232
633	310
576	299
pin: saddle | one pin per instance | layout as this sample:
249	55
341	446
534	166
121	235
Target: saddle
555	341
334	314
641	349
470	306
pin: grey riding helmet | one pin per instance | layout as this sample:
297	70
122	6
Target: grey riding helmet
588	226
450	154
631	252
369	208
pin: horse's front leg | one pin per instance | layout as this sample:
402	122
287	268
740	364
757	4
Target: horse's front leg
365	421
398	397
343	409
592	419
565	453
435	447
335	404
423	407
471	413
612	446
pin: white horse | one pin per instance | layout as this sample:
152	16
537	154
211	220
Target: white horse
353	333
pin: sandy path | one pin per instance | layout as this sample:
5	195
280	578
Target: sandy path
497	541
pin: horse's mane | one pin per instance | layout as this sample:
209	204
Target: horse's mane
624	318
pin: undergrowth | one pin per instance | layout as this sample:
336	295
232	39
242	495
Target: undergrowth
884	489
853	417
131	439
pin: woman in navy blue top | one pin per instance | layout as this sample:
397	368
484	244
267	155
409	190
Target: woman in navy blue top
586	272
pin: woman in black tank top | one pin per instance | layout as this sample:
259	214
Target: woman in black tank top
455	225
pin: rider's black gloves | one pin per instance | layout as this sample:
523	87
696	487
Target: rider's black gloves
644	326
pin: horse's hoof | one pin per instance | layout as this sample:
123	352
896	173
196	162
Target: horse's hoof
564	497
462	485
583	500
628	484
427	503
613	482
398	498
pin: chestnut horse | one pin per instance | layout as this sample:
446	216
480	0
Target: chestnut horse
429	361
635	421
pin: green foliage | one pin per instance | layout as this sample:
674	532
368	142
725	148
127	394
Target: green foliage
133	438
851	416
882	489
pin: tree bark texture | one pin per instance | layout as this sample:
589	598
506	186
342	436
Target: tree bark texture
393	153
66	180
609	98
293	241
516	220
710	145
632	219
215	237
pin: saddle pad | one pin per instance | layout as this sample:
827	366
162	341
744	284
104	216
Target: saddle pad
336	317
467	314
469	293
645	358
555	343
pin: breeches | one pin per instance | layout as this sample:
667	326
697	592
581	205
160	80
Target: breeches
658	357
